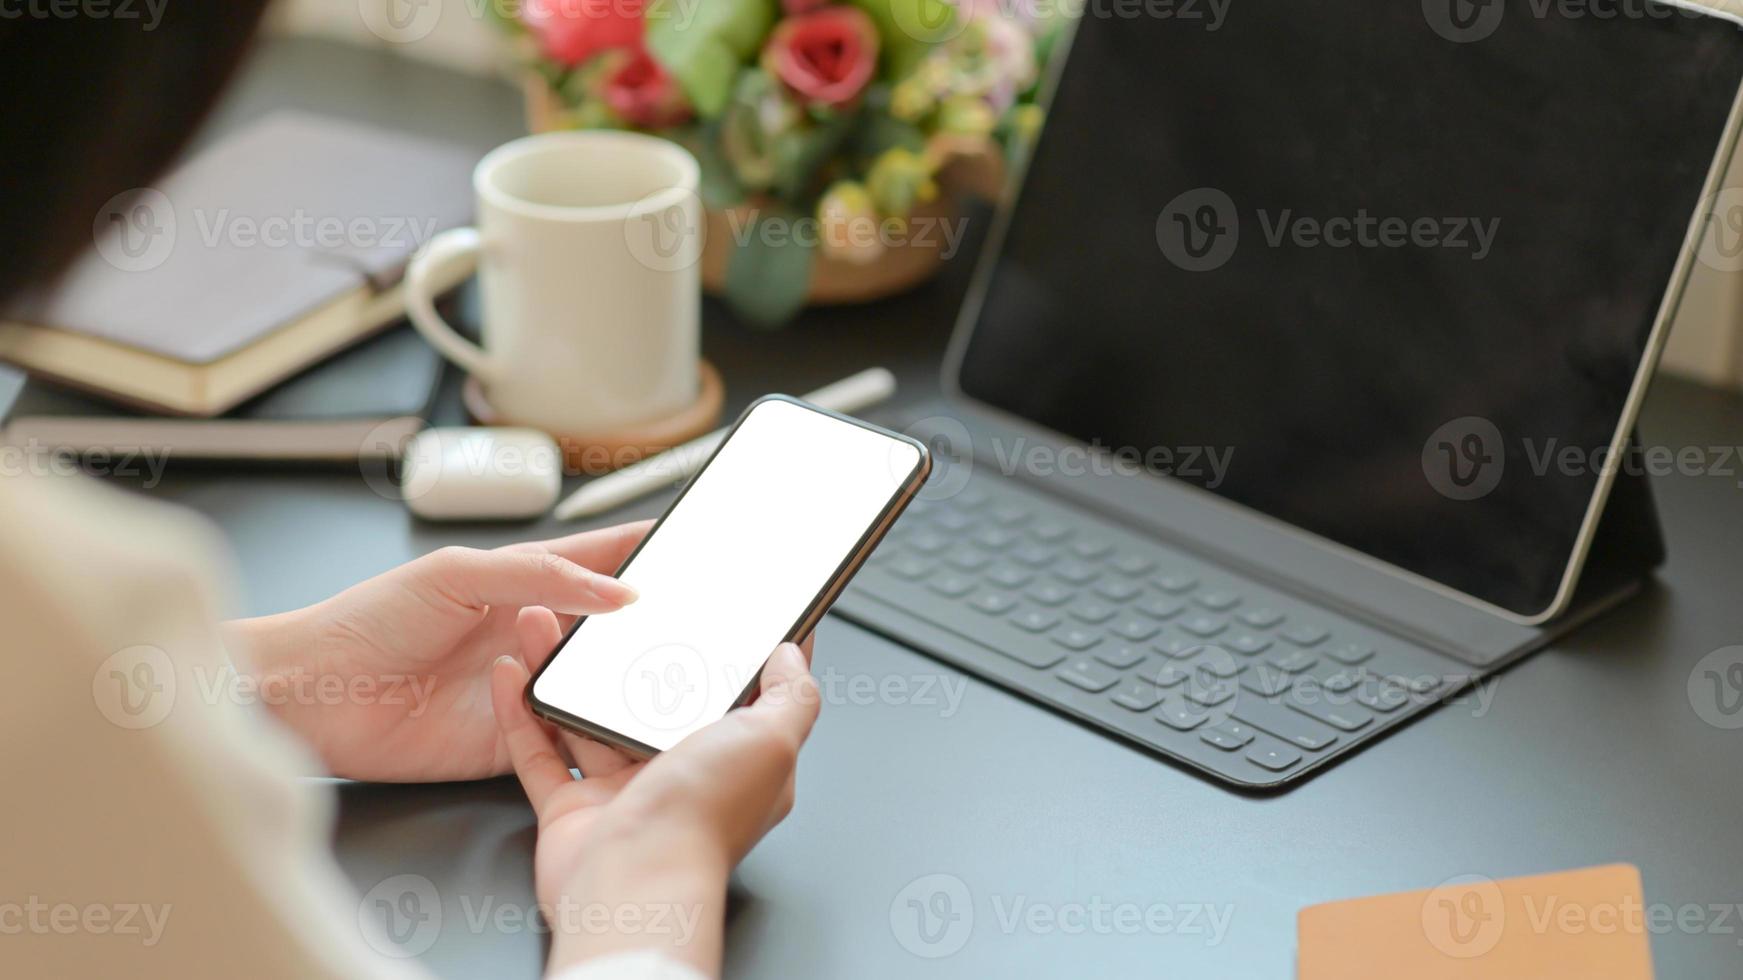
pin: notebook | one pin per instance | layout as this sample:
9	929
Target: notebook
267	251
1590	924
363	403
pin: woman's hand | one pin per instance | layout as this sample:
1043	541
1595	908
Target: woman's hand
635	855
390	679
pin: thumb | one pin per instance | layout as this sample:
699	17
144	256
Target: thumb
789	694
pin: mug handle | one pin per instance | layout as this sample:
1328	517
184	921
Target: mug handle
450	245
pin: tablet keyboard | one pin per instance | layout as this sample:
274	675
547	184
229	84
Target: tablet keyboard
1150	642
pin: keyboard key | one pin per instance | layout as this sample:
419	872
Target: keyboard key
909	567
1087	674
927	542
1159	607
1051	594
1341	681
995	539
1091	548
967	559
1008	576
1130	564
993	603
1120	656
1217	601
1091	611
1209	695
1418	684
1076	638
1217	662
1037	655
1201	625
1384	698
1265	682
1350	654
1314	704
1075	572
971	498
1176	582
954	521
1034	555
1138	695
1163	675
1293	661
1009	514
1119	590
1179	715
1178	647
1246	643
1299	731
1305	634
1134	629
1228	735
1035	620
1051	532
1261	617
1273	758
951	584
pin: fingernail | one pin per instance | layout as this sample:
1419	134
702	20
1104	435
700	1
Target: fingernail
505	658
612	590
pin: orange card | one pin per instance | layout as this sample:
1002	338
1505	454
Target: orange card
1572	925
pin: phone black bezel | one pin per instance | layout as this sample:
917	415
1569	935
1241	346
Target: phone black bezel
814	610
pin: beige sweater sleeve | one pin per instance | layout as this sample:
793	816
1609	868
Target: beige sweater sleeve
152	826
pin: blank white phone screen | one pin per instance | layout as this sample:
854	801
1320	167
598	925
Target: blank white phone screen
728	573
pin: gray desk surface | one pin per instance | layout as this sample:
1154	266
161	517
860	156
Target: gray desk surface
1588	753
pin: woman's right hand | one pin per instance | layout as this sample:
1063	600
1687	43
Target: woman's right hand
635	855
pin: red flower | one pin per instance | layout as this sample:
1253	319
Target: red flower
572	31
643	94
825	56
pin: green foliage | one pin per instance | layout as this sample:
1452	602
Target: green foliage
705	51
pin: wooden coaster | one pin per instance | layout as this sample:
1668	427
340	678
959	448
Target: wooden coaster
604	452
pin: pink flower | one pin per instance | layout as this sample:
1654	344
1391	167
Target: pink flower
826	56
572	31
644	94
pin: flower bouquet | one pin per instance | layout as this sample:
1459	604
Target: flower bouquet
827	130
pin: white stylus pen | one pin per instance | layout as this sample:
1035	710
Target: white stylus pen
601	494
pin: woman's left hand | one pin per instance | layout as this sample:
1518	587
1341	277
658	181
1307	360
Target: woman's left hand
390	679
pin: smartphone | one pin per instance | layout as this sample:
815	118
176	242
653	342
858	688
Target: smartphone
752	553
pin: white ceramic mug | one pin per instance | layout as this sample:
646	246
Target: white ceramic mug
588	247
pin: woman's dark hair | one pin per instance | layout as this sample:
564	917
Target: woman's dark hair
96	98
